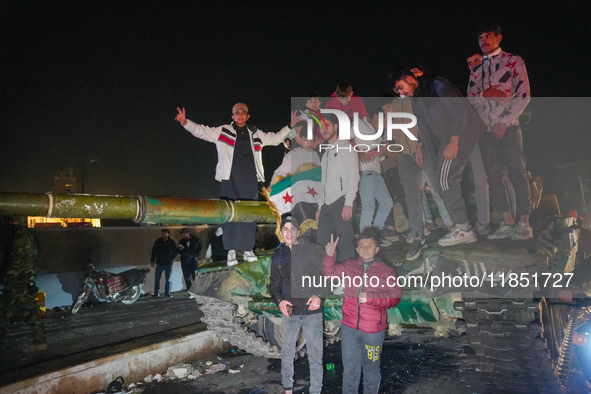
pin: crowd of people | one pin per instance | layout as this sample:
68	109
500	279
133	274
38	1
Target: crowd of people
451	131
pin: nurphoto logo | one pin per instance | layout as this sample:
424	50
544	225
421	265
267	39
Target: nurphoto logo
345	128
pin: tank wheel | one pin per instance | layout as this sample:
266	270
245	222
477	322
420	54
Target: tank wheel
132	295
80	300
222	319
272	333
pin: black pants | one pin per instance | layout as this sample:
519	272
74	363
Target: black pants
331	222
506	153
239	236
189	267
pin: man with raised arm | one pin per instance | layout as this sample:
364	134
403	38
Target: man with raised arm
239	168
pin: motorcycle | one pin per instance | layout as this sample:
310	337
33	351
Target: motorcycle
125	286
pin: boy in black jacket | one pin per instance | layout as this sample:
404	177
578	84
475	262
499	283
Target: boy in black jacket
293	269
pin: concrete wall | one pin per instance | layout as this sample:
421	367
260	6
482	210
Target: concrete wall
132	365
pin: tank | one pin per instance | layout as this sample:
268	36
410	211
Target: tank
516	332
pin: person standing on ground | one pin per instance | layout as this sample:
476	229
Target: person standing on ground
239	169
189	250
163	253
301	304
364	310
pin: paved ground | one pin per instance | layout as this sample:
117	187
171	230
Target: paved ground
414	363
96	331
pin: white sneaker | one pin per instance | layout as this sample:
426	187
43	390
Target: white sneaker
250	256
458	236
232	261
522	231
504	231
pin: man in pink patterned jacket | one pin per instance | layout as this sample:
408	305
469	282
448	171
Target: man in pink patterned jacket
499	91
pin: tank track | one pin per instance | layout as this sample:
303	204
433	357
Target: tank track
567	350
221	318
504	346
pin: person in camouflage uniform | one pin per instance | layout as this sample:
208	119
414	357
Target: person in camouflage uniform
19	289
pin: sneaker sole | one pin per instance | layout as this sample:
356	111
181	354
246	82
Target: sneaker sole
467	240
232	263
507	236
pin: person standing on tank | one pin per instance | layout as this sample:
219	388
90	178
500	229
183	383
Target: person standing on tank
239	169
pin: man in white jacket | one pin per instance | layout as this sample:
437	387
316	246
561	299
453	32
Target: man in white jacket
340	179
239	168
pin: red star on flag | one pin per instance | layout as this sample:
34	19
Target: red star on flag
312	191
287	198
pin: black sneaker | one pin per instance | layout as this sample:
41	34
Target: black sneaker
415	249
155	295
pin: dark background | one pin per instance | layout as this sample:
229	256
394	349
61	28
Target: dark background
101	80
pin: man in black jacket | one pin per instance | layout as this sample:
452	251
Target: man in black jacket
449	130
189	250
295	267
163	252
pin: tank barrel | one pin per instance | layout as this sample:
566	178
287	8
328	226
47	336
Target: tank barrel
140	209
199	211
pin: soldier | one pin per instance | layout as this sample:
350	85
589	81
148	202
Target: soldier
19	287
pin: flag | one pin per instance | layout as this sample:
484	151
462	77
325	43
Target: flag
298	194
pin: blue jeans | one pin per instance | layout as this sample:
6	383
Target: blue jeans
361	350
372	188
158	274
313	331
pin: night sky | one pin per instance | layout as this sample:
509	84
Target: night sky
101	80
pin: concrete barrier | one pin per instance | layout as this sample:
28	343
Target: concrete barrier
133	365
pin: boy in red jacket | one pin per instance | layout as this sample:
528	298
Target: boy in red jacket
370	289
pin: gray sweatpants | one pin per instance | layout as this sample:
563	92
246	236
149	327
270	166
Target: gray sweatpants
361	351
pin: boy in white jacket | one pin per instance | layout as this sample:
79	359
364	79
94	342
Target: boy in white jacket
239	168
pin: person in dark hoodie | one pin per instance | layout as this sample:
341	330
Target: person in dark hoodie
370	289
449	130
301	304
